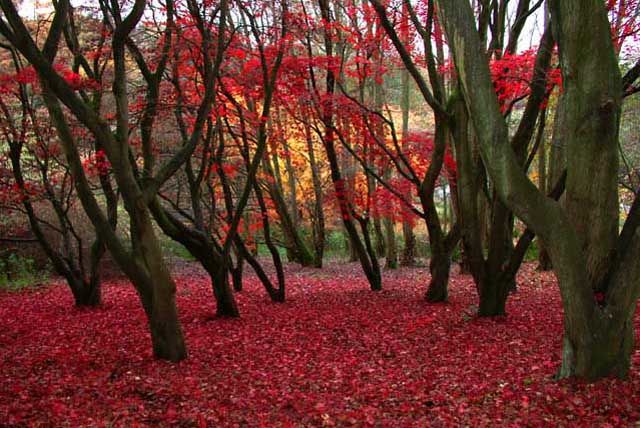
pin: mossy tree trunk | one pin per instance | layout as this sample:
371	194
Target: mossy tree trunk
596	267
489	253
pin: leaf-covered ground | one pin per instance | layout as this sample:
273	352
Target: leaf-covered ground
335	355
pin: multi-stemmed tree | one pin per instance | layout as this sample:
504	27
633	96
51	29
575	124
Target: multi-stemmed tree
594	262
143	263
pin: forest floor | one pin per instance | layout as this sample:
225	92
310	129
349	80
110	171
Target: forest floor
334	355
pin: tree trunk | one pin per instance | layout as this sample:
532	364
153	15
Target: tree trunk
85	293
166	334
392	249
226	305
91	295
291	180
439	266
350	249
441	244
590	103
380	237
237	271
272	167
494	290
297	250
544	262
445	207
368	258
318	218
604	350
493	287
465	263
409	251
276	295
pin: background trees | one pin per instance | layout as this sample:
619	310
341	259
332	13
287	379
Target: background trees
39	185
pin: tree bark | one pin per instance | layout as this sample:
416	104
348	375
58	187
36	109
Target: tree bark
439	267
544	262
409	250
392	249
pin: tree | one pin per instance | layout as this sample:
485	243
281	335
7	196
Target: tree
594	263
325	99
190	65
408	252
515	77
442	243
144	263
494	273
271	48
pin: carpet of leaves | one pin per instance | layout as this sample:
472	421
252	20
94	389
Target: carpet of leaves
334	355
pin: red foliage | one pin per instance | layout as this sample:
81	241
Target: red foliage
334	355
512	75
12	194
28	76
97	164
625	25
